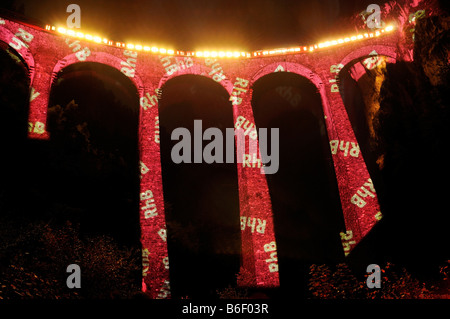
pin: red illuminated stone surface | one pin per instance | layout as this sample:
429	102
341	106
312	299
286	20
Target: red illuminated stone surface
46	53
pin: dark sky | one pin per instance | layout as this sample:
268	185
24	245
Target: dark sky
203	24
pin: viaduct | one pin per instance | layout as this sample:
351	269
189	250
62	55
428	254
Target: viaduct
47	51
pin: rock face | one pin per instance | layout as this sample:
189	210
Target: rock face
414	93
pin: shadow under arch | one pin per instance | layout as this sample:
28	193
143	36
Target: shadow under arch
14	108
360	81
201	200
304	193
16	80
92	156
24	52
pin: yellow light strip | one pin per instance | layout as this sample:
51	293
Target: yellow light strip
222	54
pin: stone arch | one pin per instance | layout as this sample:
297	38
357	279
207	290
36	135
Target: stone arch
24	52
152	210
104	99
304	192
112	61
363	52
253	189
304	72
196	69
359	94
358	219
99	57
195	206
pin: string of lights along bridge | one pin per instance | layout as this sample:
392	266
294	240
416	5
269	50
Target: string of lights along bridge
221	54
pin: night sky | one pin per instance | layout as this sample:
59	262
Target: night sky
203	24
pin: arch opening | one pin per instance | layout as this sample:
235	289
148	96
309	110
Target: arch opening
93	117
87	174
304	194
14	106
201	199
360	83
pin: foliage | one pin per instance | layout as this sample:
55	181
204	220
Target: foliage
34	259
233	293
245	278
320	282
396	283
